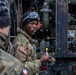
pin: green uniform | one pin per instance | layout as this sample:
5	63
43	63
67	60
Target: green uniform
26	52
8	64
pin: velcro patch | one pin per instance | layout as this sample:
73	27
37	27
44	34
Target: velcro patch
25	72
22	49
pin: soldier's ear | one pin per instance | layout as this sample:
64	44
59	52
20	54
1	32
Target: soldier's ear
38	26
1	29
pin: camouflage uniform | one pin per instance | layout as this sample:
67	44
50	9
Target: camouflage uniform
8	64
26	52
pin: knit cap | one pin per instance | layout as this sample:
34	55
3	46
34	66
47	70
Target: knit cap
28	17
4	15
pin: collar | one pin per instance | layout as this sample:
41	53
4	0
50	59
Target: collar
26	35
3	41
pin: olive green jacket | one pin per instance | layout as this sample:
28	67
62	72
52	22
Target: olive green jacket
26	52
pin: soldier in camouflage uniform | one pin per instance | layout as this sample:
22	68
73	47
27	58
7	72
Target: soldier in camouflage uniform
25	46
8	64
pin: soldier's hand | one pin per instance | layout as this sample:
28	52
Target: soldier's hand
52	60
44	58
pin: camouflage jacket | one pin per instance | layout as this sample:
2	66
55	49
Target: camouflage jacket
26	52
8	64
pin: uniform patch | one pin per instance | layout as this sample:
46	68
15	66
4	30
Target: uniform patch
22	49
25	72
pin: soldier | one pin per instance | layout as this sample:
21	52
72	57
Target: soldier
8	64
25	46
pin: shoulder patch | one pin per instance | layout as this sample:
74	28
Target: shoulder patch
22	49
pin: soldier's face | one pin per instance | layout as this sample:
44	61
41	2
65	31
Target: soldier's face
5	30
31	27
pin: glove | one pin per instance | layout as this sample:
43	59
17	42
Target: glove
52	59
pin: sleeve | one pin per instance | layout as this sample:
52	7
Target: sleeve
19	50
11	66
32	66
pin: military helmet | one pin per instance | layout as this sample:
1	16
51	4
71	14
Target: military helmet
30	16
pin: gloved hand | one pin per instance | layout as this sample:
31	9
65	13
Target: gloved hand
52	59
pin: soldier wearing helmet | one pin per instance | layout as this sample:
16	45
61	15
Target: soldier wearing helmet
25	46
9	65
